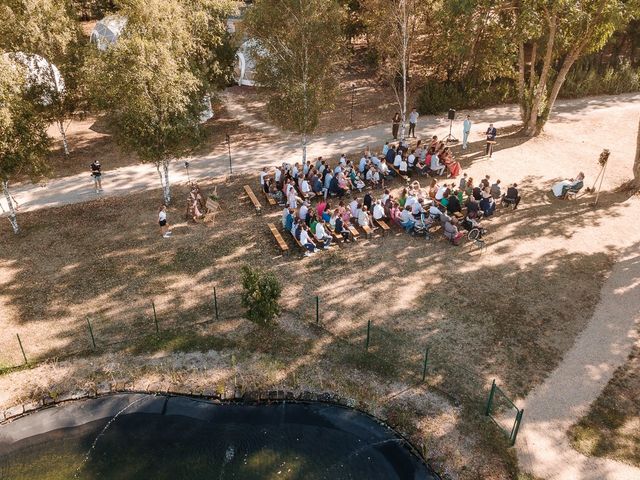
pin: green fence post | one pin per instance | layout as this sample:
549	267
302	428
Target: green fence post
317	310
93	340
368	334
22	349
426	361
215	302
487	411
516	427
155	317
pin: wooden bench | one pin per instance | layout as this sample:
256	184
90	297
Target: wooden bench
336	237
276	234
212	209
401	175
270	200
368	231
354	231
383	225
253	199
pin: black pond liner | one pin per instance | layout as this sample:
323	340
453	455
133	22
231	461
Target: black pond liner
149	436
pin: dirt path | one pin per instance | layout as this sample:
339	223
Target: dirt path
543	446
274	147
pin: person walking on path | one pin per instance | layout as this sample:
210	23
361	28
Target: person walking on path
162	221
395	125
96	172
413	119
466	130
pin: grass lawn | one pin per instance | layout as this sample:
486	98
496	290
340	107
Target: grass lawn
496	315
612	427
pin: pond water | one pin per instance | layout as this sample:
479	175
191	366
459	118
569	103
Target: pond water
168	437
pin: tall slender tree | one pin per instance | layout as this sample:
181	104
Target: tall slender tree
297	45
23	138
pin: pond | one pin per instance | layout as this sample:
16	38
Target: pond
139	436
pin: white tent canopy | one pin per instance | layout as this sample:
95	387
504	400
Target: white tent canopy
40	73
107	31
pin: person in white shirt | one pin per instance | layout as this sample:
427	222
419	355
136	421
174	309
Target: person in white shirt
466	130
278	175
285	214
306	241
375	177
305	188
353	207
294	171
375	160
434	211
436	166
369	176
406	219
378	211
416	209
403	166
363	218
397	161
343	160
440	192
162	221
292	199
321	235
412	159
385	196
384	168
411	199
263	174
304	209
413	120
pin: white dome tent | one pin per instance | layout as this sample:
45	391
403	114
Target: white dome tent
244	70
106	33
40	73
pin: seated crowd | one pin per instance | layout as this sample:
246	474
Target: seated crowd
457	206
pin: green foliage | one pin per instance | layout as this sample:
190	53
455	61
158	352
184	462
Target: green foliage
261	292
297	47
23	138
437	97
585	80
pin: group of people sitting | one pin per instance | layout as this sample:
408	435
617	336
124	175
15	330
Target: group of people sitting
432	159
562	188
458	208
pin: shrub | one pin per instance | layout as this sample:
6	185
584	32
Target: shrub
437	97
585	79
261	293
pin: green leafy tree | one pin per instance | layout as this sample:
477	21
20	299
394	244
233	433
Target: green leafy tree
261	292
296	51
23	138
47	28
552	35
152	81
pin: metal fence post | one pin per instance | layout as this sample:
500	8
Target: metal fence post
516	427
93	340
487	411
22	349
317	310
368	334
426	361
215	302
155	317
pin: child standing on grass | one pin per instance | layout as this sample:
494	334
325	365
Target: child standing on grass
162	220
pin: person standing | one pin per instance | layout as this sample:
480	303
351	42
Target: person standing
466	129
162	221
491	137
395	125
96	173
413	119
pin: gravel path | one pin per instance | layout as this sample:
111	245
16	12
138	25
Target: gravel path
277	146
604	345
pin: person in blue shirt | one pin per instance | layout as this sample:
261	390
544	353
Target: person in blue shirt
466	130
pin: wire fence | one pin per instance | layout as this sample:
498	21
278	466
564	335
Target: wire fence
371	347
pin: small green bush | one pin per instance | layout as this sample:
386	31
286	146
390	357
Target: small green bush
584	79
261	292
437	97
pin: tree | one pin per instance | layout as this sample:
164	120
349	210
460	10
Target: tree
23	138
46	28
260	295
561	31
392	26
152	81
297	43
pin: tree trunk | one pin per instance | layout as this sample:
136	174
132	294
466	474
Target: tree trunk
521	98
532	128
12	211
166	187
63	132
636	163
405	48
